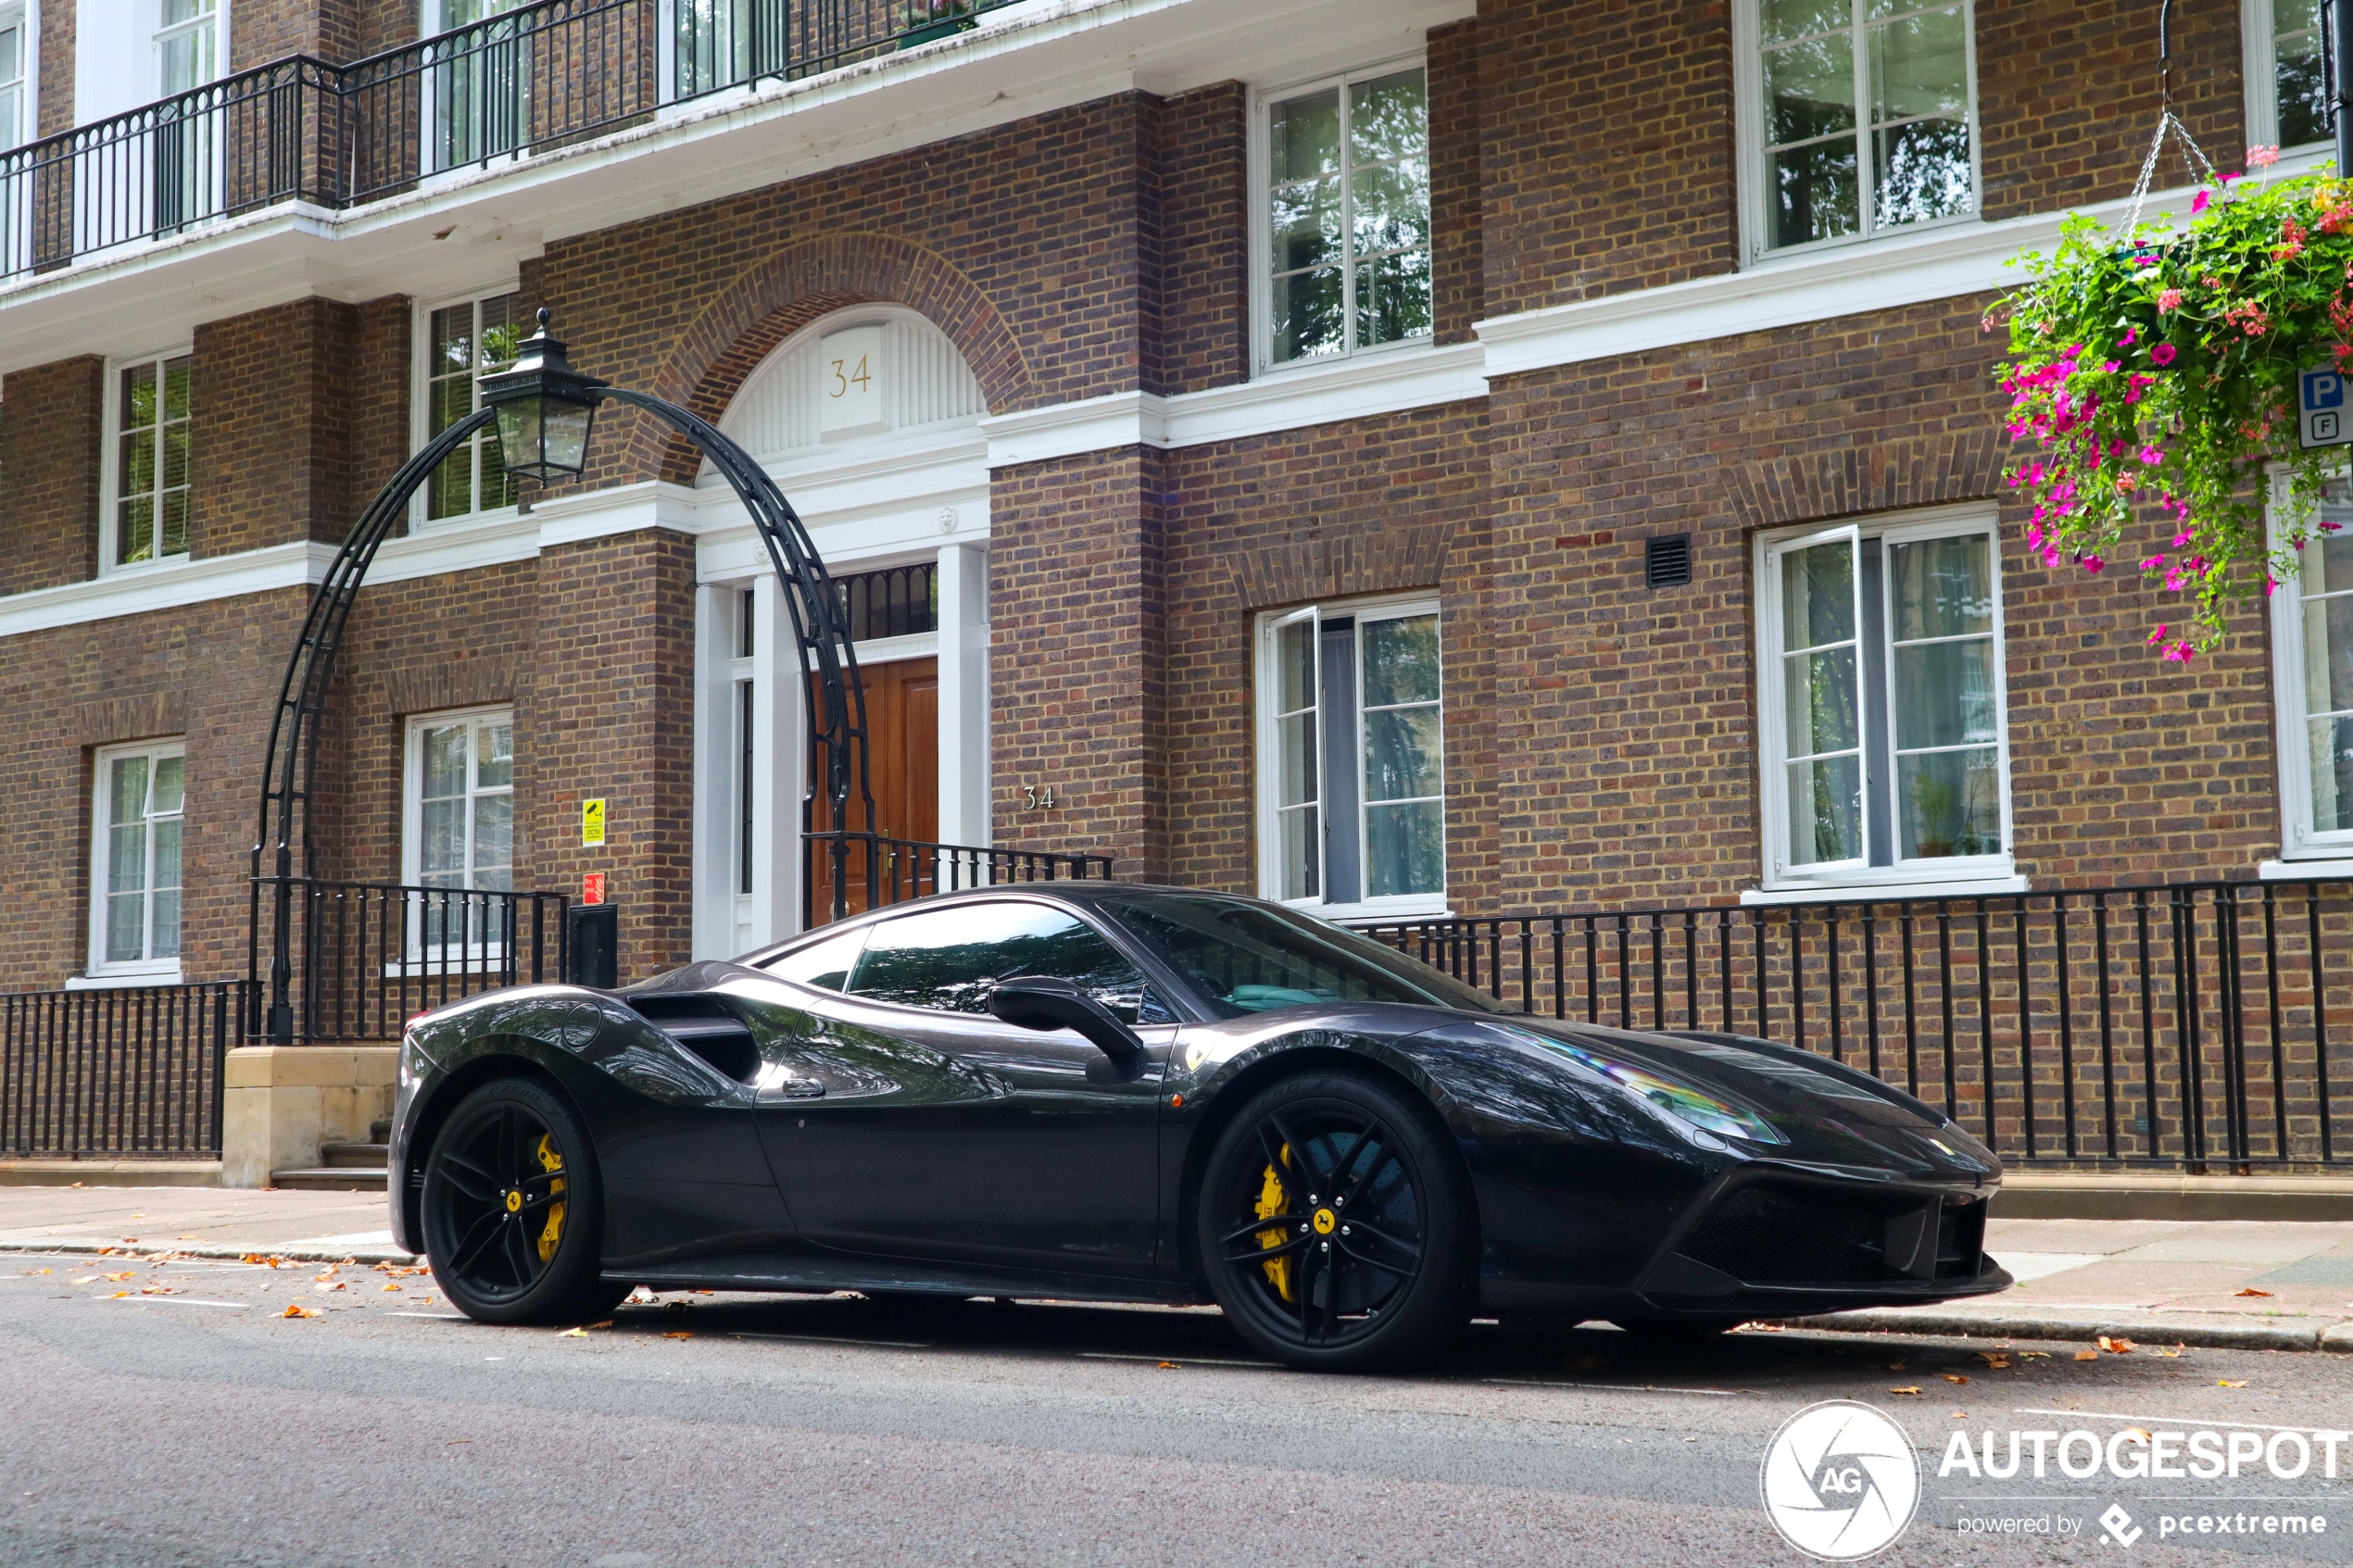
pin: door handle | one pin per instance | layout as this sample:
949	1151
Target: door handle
794	1089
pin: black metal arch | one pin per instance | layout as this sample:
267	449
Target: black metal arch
820	632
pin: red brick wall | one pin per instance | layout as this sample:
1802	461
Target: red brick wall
1075	571
1374	506
58	19
49	450
1202	279
1456	206
207	672
270	427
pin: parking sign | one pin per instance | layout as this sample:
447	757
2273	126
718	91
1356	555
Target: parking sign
2321	410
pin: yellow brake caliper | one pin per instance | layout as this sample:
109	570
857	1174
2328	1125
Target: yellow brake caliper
550	1160
1271	1202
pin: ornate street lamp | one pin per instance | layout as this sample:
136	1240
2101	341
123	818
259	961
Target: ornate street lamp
545	409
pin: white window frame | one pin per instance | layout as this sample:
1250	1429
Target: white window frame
110	463
412	790
1396	606
26	16
1748	123
2298	840
1261	282
2260	75
101	848
1942	873
421	379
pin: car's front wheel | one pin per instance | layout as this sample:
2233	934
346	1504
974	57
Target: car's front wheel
514	1208
1336	1224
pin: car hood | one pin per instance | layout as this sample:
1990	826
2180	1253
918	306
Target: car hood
1819	1114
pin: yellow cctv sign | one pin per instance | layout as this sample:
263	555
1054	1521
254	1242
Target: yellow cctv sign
592	822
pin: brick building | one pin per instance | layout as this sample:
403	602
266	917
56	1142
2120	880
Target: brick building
1399	456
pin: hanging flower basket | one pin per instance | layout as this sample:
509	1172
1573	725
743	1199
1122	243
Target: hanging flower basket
2153	378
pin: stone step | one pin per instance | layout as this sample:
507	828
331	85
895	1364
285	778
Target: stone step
380	1131
356	1156
345	1178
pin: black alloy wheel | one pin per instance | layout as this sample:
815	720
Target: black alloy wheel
513	1210
1336	1224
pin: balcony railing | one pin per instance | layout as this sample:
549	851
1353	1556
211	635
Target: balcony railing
2184	1026
521	82
847	873
133	1071
367	955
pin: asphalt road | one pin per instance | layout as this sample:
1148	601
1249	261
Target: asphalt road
202	1428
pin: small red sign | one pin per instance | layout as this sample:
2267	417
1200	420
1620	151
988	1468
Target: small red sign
592	888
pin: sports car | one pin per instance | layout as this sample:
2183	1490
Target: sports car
1102	1091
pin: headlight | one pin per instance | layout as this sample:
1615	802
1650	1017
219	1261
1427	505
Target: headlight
1694	1107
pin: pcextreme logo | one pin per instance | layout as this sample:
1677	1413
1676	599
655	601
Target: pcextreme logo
1840	1480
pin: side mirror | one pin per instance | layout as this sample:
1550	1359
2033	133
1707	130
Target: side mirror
1043	1002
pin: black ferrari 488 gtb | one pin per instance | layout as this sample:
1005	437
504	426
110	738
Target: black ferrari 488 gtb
1105	1092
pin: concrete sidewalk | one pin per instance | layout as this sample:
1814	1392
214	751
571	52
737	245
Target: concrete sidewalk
2240	1282
202	1222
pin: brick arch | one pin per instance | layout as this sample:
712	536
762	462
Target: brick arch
1961	466
780	295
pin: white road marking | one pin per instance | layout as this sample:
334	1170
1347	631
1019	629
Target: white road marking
1181	1360
832	1339
1621	1387
443	1317
176	1301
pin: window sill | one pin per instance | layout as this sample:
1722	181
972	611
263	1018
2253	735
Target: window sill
115	979
2332	868
1335	364
1377	914
1979	887
1765	261
140	568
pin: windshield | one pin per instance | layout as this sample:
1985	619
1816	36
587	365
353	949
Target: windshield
1245	957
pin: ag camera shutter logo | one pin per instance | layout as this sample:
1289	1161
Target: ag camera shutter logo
1840	1480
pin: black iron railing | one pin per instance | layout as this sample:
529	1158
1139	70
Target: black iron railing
524	82
365	956
2186	1025
133	1071
847	873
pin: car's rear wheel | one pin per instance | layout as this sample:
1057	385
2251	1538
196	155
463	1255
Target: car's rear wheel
514	1208
1336	1224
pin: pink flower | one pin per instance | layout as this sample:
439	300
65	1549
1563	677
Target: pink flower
2158	635
2151	456
2171	299
2150	563
2131	336
2198	202
2093	564
2180	653
2182	540
2262	157
2162	355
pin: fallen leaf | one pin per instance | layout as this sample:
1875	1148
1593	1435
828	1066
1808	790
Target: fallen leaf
573	1333
1896	1366
680	1334
607	1323
124	1275
1954	1377
2230	1383
129	1239
1913	1389
296	1310
2115	1347
390	1287
324	1290
2033	1355
1960	1415
2136	1432
2088	1355
120	1295
1997	1361
36	1270
640	1296
2250	1290
455	1441
2169	1355
1170	1366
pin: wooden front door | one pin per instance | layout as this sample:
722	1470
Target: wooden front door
902	748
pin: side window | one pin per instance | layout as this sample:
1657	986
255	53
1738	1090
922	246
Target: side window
825	965
947	959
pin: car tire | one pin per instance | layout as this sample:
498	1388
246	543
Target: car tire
514	1238
1385	1284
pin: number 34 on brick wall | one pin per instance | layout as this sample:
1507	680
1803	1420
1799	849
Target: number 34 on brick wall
592	822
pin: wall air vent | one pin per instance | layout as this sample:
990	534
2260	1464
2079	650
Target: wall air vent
1667	561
